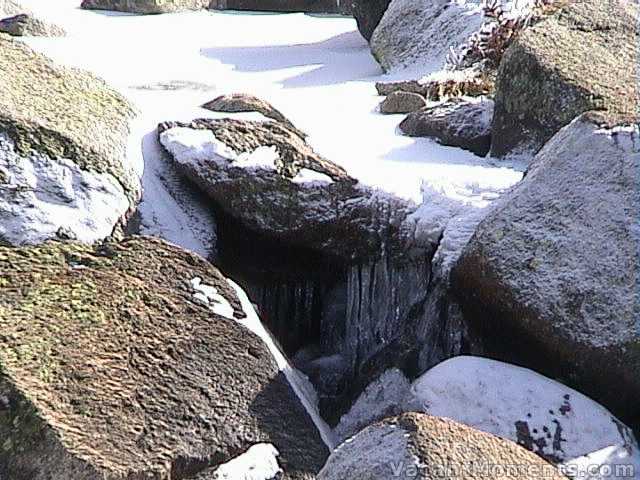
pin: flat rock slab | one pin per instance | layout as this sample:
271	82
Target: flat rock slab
310	6
456	122
129	361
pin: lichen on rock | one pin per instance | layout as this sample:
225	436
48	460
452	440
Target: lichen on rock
112	368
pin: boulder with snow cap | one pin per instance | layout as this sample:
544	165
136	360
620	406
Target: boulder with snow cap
544	416
63	137
418	446
270	181
138	360
550	277
464	123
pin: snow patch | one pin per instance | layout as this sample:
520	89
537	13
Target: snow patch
209	296
40	195
307	177
299	383
259	462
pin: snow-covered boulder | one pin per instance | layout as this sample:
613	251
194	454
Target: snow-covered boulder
368	14
145	6
544	416
402	102
270	181
464	123
582	58
418	446
140	360
27	25
550	276
418	34
63	137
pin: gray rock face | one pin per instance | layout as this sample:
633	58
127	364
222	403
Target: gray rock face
418	34
551	276
145	6
368	14
63	138
419	446
456	122
582	58
162	379
28	25
402	102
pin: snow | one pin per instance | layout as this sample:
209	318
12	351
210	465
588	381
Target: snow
209	295
317	70
497	397
299	383
259	462
39	195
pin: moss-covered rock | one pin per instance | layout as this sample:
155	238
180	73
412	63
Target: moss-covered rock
583	57
113	367
63	112
63	142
